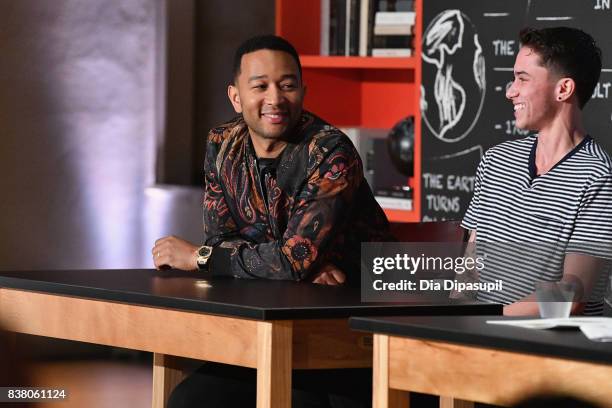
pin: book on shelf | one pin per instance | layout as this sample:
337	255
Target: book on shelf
325	28
392	46
340	27
392	41
393	29
392	203
351	27
395	5
392	52
394	18
394	191
337	26
352	30
366	26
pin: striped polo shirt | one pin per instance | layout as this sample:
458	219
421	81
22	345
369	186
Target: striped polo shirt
529	222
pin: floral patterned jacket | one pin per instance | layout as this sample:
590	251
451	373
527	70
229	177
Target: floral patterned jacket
317	207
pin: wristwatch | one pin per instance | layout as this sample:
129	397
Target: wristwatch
204	253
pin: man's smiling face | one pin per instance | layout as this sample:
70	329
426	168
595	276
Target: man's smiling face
269	93
532	92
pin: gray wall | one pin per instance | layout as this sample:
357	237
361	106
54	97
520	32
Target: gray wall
77	131
99	100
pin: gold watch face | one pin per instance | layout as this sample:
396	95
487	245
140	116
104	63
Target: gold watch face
204	251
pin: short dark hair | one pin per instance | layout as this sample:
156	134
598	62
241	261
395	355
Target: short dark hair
568	52
264	42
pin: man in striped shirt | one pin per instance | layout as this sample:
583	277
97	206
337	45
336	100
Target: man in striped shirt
545	201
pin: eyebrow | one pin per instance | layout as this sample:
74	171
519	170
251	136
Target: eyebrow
286	76
256	77
517	73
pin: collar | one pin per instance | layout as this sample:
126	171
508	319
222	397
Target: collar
533	171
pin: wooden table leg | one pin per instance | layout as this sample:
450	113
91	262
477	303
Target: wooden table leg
382	395
399	398
274	354
167	373
450	402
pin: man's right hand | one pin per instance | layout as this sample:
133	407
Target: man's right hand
175	253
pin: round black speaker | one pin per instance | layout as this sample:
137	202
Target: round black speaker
400	145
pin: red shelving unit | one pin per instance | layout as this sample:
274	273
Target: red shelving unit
372	92
317	61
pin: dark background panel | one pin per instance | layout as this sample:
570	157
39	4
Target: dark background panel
221	26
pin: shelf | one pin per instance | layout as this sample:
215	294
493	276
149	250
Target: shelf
402	215
372	92
317	61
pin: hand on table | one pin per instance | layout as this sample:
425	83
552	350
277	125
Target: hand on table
175	253
329	274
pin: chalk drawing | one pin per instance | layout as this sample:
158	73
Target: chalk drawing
450	42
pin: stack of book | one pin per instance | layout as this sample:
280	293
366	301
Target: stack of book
393	34
367	27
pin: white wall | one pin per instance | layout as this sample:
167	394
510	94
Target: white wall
77	131
94	109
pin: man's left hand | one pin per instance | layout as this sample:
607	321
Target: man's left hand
329	275
175	253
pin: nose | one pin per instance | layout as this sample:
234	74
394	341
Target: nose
274	95
511	91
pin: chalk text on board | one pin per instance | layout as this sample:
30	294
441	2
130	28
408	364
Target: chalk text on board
602	5
443	203
461	183
433	181
601	90
503	47
450	182
511	129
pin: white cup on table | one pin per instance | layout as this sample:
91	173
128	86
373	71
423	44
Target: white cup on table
554	299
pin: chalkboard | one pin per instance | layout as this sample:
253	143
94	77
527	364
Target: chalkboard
468	52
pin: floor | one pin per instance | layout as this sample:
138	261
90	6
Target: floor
97	383
113	383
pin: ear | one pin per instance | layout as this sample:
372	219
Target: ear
565	89
234	97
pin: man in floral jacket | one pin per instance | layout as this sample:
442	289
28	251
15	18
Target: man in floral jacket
285	195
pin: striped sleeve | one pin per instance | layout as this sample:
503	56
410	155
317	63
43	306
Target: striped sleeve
592	233
470	219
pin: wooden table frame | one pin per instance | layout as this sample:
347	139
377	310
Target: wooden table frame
273	347
461	374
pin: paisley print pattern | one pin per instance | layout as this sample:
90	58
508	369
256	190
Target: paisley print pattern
318	207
